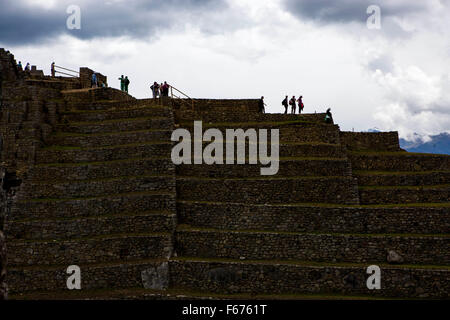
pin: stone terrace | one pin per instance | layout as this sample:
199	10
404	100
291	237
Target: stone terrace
99	190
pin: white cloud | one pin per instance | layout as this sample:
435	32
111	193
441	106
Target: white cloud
368	78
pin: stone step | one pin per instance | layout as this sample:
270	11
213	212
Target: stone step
111	126
108	139
241	116
299	132
136	223
108	276
58	154
399	161
353	248
101	170
286	149
314	218
191	278
121	247
283	277
96	188
119	113
398	194
287	167
95	95
110	105
264	190
139	293
93	206
386	178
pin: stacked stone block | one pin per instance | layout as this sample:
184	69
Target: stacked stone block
100	195
99	190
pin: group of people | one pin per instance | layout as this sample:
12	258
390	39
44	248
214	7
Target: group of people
293	102
160	90
124	83
27	67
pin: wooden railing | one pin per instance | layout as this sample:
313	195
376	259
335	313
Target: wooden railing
183	99
74	74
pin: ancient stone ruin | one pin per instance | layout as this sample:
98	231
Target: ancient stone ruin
87	180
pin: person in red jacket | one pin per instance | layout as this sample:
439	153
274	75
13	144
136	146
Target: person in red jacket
300	104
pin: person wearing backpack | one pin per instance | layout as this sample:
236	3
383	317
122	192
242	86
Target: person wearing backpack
285	104
155	89
126	83
292	102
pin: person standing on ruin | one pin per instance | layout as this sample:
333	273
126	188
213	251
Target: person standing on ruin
19	66
122	83
293	102
285	104
126	83
165	89
261	105
155	89
94	80
27	67
329	117
300	104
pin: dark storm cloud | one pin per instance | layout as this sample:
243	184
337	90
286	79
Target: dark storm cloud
21	23
346	11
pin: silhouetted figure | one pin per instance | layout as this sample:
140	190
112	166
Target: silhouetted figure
122	83
165	89
155	89
300	104
126	83
285	104
293	105
328	117
27	67
261	105
19	66
52	69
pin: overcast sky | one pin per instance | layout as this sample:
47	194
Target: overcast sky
395	78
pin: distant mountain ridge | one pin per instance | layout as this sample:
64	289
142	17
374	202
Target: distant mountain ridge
439	144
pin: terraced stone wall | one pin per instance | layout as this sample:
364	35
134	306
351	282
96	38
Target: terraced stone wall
420	220
273	279
373	141
29	112
86	77
260	191
303	133
3	203
396	162
214	110
88	97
